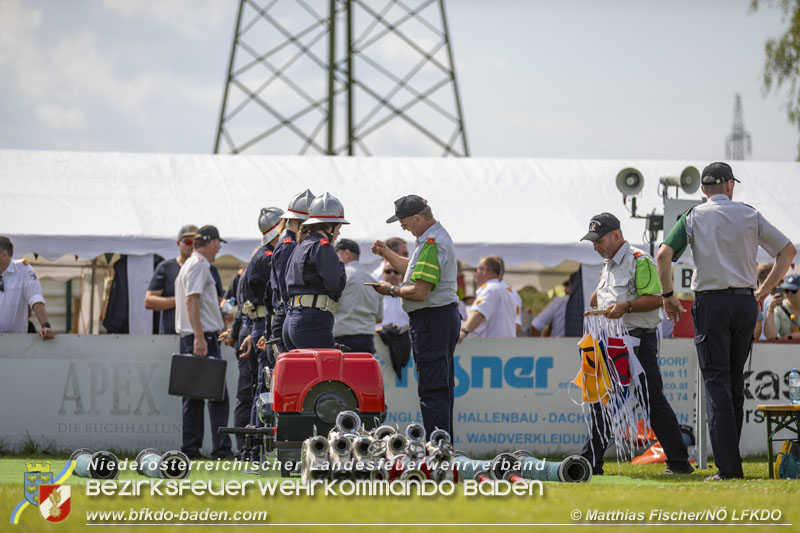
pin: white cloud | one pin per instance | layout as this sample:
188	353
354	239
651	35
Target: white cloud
60	117
194	18
75	75
16	24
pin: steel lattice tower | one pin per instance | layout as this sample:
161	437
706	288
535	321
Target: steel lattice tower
355	77
739	140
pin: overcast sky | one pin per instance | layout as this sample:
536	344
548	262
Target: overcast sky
558	79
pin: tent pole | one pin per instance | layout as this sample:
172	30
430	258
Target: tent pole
91	301
68	326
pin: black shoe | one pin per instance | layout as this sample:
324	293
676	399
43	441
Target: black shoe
678	469
722	477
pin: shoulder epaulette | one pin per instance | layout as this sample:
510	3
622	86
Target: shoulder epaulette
324	241
268	252
287	239
431	240
241	271
637	254
25	262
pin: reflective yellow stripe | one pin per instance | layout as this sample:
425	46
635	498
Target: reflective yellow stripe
428	265
426	274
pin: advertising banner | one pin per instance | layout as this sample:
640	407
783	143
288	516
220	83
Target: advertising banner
110	391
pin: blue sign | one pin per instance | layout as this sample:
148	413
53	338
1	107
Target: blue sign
519	372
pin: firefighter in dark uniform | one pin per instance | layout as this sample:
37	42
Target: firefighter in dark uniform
256	278
724	237
296	214
429	297
315	277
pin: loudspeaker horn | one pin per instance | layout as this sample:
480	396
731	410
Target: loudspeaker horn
629	181
690	180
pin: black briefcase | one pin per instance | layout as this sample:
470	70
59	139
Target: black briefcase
200	378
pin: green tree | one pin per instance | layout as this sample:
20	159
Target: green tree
782	62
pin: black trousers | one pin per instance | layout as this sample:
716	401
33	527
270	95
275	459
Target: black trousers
193	417
434	334
723	329
263	359
358	343
662	417
246	387
276	326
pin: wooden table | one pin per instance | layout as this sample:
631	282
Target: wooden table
783	416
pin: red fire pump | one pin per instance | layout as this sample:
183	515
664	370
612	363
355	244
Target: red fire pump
307	390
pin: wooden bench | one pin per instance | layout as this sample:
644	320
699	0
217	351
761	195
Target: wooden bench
779	416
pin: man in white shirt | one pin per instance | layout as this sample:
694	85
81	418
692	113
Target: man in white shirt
19	290
360	308
494	312
198	321
393	329
393	312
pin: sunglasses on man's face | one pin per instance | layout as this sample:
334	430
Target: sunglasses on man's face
791	291
391	271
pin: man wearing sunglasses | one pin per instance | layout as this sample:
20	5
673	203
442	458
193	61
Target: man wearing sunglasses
784	312
19	290
724	237
160	295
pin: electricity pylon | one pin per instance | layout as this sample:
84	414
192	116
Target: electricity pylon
355	77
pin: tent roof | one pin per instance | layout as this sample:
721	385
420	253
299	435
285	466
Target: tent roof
56	203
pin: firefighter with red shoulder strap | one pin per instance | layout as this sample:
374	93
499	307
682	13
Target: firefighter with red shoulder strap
315	278
295	214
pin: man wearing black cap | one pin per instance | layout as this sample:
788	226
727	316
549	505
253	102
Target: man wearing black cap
429	297
198	321
360	308
724	237
629	289
160	295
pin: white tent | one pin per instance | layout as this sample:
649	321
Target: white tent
526	210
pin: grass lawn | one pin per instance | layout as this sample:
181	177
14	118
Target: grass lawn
631	490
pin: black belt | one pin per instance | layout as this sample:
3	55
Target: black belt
215	333
729	290
454	304
638	332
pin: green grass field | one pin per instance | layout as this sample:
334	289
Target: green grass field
631	489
